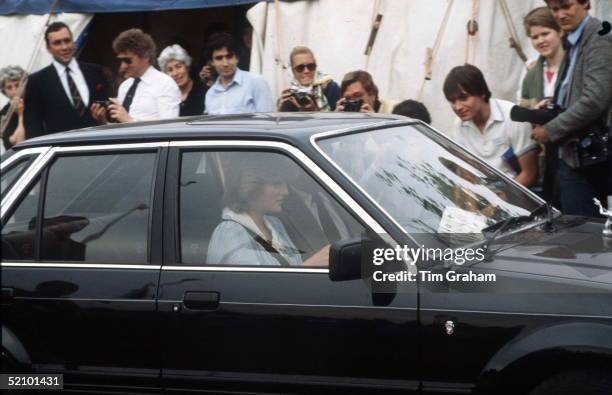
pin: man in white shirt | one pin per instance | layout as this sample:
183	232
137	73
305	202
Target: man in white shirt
484	126
147	94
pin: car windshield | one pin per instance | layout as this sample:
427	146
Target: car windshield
425	182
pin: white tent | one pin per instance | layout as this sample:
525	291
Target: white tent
338	31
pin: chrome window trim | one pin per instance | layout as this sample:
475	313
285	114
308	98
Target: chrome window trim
22	153
107	147
300	157
25	178
245	269
51	152
64	265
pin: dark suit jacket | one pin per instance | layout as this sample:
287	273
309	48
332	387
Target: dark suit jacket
590	94
47	107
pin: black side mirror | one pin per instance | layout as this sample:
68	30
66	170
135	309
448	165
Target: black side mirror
345	259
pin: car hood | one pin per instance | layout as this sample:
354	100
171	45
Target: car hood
576	249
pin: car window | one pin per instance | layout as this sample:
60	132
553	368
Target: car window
253	208
19	231
424	182
12	173
97	207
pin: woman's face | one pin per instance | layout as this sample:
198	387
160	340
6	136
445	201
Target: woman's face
271	198
545	40
10	88
304	68
179	72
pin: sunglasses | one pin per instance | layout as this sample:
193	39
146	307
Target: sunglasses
301	67
125	60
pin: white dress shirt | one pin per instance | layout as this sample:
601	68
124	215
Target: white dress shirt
500	134
77	77
157	96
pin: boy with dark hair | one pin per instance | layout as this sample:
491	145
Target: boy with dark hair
235	91
484	126
413	109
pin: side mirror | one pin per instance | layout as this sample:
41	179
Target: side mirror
345	259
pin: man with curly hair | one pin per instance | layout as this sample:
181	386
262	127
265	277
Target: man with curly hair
146	94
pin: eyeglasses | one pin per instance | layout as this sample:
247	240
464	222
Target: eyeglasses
301	67
125	60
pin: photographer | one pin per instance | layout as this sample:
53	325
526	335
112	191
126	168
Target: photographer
360	94
310	89
585	94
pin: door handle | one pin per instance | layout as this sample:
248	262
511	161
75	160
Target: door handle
201	300
7	295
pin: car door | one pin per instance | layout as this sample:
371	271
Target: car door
248	323
81	265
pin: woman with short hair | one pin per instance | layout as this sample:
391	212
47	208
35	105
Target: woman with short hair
251	233
13	131
175	61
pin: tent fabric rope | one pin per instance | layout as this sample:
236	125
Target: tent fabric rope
375	12
431	55
471	39
514	39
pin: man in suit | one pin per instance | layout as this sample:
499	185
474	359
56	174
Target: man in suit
585	92
59	96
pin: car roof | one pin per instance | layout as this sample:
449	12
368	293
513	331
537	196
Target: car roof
294	127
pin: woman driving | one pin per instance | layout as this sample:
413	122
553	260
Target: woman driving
249	233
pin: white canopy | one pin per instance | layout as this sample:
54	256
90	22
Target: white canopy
337	31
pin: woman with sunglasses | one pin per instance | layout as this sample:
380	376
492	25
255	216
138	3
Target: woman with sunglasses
310	90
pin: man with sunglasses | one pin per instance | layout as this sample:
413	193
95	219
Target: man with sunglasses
147	94
59	96
310	90
235	91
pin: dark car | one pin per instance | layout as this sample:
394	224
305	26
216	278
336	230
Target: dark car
235	254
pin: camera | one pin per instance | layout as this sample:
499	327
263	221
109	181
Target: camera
301	96
103	103
538	116
353	105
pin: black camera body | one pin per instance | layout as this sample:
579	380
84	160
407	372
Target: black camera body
537	116
353	105
591	147
301	96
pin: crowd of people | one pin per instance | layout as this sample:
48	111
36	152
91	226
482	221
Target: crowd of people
571	78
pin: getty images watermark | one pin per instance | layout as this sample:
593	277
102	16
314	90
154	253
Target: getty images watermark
449	257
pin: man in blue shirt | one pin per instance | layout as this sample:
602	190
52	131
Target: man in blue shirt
585	92
235	91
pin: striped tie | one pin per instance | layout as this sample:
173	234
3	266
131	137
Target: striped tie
77	100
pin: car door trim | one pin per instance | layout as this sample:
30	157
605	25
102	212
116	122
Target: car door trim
65	265
244	269
44	153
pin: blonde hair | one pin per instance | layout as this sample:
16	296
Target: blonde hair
299	50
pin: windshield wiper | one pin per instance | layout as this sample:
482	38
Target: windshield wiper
491	232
